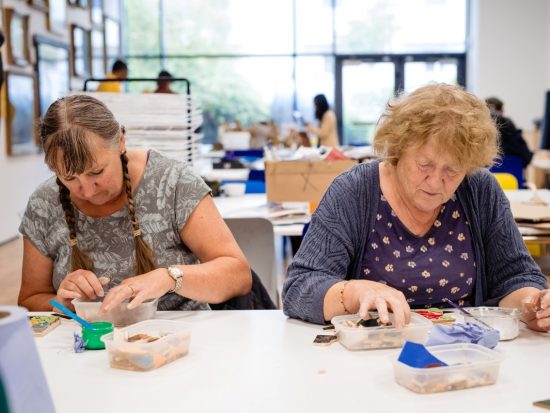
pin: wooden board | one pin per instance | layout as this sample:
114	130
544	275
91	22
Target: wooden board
43	324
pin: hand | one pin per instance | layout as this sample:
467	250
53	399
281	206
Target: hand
536	311
374	295
138	289
81	284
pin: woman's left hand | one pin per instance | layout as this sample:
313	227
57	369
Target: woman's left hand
138	289
536	311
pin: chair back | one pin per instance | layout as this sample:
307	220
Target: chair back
513	165
257	241
506	180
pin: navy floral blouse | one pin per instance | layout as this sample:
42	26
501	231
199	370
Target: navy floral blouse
427	269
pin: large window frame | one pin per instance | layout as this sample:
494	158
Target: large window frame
398	59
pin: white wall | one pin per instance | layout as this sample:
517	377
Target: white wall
19	175
509	55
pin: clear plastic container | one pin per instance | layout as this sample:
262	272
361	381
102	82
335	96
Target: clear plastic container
119	316
370	338
469	365
505	320
147	345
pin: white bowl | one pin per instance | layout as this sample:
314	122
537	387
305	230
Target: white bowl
505	320
234	189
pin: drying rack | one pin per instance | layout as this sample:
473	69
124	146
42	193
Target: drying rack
168	123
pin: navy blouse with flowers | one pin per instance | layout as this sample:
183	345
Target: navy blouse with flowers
426	269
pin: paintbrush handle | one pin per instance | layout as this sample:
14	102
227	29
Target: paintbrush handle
65	310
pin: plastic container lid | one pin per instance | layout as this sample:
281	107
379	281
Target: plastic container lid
119	316
370	338
469	365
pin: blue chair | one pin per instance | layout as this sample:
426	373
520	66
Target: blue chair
256	175
512	165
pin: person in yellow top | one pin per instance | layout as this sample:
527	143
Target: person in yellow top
327	132
118	71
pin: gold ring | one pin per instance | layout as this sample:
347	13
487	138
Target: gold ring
132	289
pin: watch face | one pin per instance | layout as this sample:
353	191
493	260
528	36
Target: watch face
175	272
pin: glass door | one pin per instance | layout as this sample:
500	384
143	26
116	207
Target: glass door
419	72
365	87
364	84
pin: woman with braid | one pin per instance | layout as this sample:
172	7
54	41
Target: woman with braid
136	223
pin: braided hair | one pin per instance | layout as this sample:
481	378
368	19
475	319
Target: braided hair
64	134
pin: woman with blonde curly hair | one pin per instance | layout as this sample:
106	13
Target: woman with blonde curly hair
424	224
135	223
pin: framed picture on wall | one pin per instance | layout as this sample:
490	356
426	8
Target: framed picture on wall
111	9
80	42
17	37
52	71
96	12
57	16
112	40
39	4
19	104
98	54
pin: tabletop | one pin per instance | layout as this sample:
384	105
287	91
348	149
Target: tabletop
256	206
261	361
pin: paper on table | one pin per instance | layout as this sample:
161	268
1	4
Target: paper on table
530	212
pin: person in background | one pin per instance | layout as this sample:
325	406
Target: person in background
163	86
118	71
511	139
425	223
327	132
140	224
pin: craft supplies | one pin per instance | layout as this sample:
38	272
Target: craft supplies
355	336
92	337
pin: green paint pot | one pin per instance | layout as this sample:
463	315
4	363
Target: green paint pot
92	338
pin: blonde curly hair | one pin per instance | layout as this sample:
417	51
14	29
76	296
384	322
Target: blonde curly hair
459	122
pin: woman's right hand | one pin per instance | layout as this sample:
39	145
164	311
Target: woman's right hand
371	295
81	284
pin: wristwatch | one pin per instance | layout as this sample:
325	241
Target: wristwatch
177	276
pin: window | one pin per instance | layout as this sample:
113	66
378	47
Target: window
257	61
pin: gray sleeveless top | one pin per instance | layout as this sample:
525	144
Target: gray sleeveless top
165	198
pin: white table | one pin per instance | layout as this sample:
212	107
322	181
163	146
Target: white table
236	174
259	361
253	206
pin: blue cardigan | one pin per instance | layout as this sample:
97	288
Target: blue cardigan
333	247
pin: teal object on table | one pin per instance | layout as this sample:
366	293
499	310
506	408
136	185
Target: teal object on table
92	337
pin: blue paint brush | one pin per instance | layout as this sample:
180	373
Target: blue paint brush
65	310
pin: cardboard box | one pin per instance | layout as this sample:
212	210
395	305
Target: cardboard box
301	180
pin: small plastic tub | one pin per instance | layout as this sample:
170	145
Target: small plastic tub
505	320
469	365
371	338
92	338
119	316
147	345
